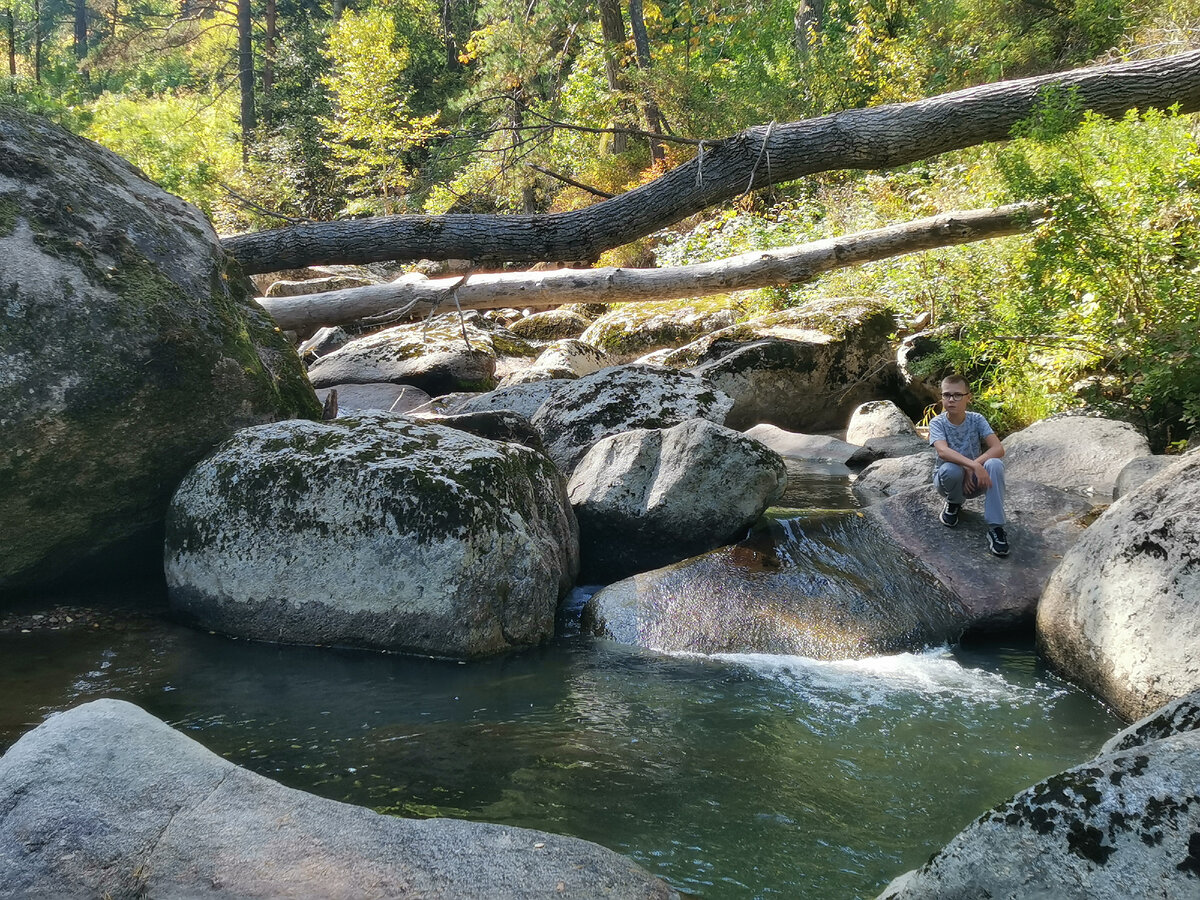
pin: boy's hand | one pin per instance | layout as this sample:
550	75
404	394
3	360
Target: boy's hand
980	480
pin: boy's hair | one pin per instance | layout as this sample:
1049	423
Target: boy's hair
957	379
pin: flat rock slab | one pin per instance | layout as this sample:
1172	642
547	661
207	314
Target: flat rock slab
794	445
397	398
107	801
997	593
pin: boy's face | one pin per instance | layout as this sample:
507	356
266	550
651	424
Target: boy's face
956	396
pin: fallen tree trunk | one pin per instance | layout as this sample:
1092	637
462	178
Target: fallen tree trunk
875	138
761	268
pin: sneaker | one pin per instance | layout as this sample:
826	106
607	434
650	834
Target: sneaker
997	541
950	514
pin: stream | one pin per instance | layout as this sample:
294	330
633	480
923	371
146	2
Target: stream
731	776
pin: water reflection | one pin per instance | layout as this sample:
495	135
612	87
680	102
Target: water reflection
735	776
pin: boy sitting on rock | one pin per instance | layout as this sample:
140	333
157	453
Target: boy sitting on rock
969	461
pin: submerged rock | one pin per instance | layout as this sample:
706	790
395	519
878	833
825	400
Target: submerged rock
1125	824
129	348
1075	453
107	801
826	585
648	497
373	531
1120	616
576	414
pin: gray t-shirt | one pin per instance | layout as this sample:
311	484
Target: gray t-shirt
966	438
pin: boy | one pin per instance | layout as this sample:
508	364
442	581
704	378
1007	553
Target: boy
969	461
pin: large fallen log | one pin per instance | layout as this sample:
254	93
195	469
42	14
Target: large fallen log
758	269
876	138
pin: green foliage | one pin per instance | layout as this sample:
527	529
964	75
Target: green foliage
372	131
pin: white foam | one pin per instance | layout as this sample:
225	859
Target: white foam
853	686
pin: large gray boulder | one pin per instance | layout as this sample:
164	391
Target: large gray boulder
433	356
576	414
1120	614
107	801
793	445
1138	471
890	476
550	325
129	348
562	359
996	594
648	497
826	585
355	398
374	531
1075	453
803	369
523	399
1125	824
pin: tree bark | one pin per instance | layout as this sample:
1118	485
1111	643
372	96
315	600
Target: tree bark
268	72
612	28
806	23
245	54
875	138
758	269
11	25
650	111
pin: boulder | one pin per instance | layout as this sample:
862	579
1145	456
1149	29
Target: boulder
894	475
891	446
1176	717
648	497
794	446
1138	471
631	330
1073	452
803	369
397	398
1124	824
576	414
107	801
129	347
432	356
878	419
284	288
826	585
495	425
920	367
523	399
323	342
1119	616
995	593
373	531
551	325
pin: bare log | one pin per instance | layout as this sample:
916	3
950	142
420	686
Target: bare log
761	268
875	138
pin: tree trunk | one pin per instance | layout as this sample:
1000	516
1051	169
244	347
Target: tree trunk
807	22
761	268
268	75
81	35
612	27
11	25
650	111
876	138
246	74
37	41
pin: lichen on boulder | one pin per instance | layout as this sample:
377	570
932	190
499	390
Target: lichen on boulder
375	531
129	348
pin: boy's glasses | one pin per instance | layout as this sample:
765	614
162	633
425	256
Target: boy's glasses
956	397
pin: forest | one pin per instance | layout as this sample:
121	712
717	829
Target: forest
269	113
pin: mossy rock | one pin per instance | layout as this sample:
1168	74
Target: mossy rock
375	531
631	330
129	346
551	325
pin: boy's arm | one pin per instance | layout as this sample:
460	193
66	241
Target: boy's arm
993	449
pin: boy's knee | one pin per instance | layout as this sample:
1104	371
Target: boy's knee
994	466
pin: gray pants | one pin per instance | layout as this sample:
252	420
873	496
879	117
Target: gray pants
948	479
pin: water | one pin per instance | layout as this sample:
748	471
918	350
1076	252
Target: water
729	776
